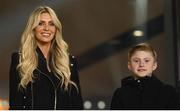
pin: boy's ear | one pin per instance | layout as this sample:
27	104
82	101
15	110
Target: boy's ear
129	65
155	66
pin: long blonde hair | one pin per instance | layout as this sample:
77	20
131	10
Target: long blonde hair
28	60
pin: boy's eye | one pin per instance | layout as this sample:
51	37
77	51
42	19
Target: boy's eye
136	61
146	60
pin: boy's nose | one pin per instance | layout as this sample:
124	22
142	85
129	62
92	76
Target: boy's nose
141	64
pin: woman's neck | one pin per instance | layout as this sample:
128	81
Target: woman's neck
45	50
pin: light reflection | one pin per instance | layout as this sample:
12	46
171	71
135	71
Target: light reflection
138	33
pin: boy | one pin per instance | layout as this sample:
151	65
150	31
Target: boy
143	90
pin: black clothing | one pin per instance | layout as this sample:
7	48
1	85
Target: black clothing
46	91
144	93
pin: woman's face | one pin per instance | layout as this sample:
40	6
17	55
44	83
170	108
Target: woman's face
45	31
142	63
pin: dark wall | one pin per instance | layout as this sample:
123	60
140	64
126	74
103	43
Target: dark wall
99	34
176	31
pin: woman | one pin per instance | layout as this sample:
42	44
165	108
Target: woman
42	74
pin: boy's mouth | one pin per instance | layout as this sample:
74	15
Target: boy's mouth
141	70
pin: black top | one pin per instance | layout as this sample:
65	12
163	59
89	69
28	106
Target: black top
46	91
144	93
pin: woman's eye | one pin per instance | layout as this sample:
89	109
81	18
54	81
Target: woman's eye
51	24
40	24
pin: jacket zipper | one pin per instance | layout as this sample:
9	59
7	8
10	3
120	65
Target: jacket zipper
55	90
55	99
32	102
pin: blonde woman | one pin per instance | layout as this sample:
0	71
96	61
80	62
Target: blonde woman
42	74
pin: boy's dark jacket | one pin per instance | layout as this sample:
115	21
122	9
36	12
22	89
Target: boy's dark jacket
145	93
41	93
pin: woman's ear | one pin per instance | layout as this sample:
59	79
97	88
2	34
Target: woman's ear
154	66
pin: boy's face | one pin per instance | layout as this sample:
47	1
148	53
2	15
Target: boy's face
142	63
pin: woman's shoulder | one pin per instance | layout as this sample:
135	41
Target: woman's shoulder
72	58
15	58
15	55
73	62
74	68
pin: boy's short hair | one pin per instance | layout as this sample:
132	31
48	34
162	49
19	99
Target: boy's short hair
142	47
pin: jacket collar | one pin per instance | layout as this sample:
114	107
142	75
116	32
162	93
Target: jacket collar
132	81
40	54
42	63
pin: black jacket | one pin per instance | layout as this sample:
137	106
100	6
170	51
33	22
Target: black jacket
45	92
144	93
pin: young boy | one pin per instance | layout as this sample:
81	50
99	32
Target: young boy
143	90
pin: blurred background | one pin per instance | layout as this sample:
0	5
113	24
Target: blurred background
99	34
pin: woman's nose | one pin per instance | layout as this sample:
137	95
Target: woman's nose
46	27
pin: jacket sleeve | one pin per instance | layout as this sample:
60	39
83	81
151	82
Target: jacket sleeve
76	98
15	97
173	99
116	102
